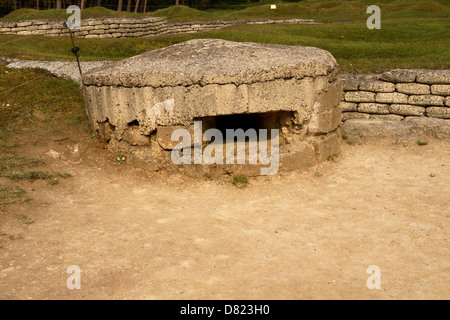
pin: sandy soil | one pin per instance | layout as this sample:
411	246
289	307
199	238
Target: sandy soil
302	235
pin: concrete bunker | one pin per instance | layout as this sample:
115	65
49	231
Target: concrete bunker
136	104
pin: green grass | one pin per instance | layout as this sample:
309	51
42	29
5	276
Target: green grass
14	168
240	180
8	144
34	175
405	43
47	106
319	10
332	157
33	114
95	12
422	143
53	182
25	219
412	35
10	195
19	162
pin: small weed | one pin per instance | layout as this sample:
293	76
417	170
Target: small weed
11	237
351	142
120	158
240	181
25	219
344	136
63	175
422	143
332	157
60	139
94	136
317	174
53	182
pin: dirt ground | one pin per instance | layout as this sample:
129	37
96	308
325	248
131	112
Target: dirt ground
301	235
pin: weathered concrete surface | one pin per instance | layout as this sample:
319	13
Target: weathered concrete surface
172	87
417	75
410	128
62	69
214	61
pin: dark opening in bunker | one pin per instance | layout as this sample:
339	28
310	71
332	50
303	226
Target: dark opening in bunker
246	121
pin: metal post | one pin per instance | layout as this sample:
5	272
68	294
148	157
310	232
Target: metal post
74	49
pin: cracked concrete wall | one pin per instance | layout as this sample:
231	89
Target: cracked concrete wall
135	103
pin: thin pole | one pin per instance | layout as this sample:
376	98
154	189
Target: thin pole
74	49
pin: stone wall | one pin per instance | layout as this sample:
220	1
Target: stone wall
123	27
397	94
198	26
90	28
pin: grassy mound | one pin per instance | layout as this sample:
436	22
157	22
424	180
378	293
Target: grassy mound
94	12
319	10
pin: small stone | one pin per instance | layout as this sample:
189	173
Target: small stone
432	175
54	154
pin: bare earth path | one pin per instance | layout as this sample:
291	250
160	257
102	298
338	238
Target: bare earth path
304	235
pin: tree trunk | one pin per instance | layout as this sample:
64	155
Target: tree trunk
58	4
82	5
120	5
177	2
136	6
37	4
129	5
99	3
145	6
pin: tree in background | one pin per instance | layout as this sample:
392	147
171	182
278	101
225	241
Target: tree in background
141	6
